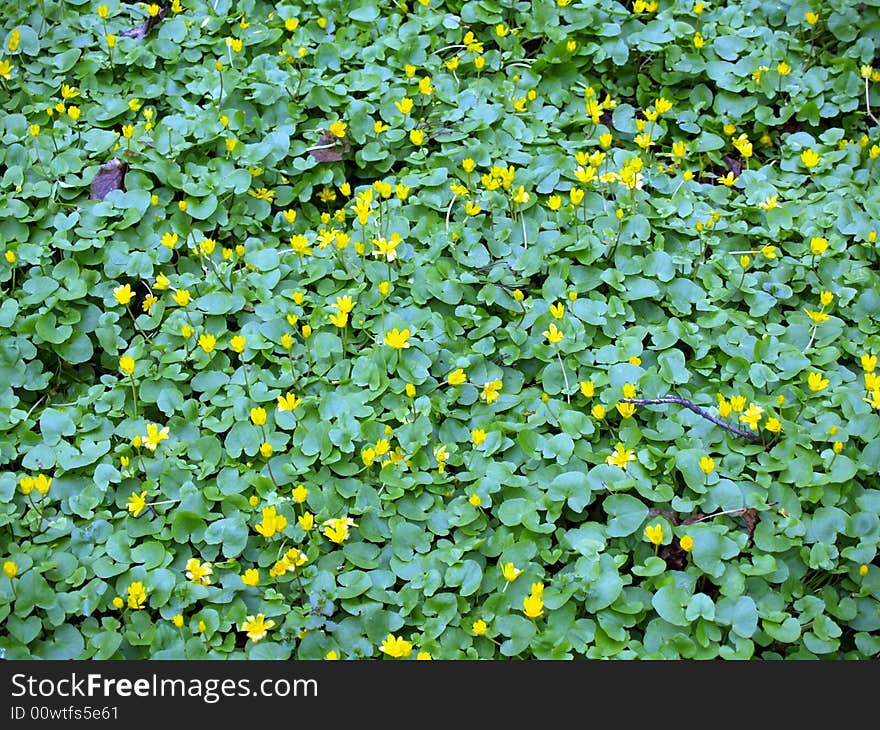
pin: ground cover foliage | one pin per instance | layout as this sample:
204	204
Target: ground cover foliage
327	330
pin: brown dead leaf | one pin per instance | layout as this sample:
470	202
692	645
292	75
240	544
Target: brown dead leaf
109	178
329	149
750	517
735	166
144	28
671	516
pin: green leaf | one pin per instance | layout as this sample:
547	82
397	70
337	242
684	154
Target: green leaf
626	514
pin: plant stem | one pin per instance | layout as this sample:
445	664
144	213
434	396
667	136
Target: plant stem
134	394
564	376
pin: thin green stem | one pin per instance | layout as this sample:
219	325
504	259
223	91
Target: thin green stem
134	393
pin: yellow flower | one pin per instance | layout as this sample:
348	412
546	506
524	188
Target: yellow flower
679	149
868	362
405	105
258	416
654	533
425	86
816	381
728	180
825	298
699	42
207	342
810	158
817	317
478	436
343	304
774	425
818	245
238	343
136	503
169	240
557	310
472	208
306	520
737	403
626	410
811	18
479	627
202	627
340	319
752	416
554	202
161	282
338	128
457	377
863	570
588	388
123	294
288	402
306	331
198	572
368	455
634	360
533	606
396	647
510	572
621	456
257	627
398	339
154	436
137	596
770	202
126	364
337	529
491	391
662	105
127	129
598	411
475	500
417	137
386	248
686	543
266	449
42	483
10	569
118	602
331	656
181	297
14	40
250	577
768	251
271	523
553	335
707	464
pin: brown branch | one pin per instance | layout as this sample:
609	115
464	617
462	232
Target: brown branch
696	409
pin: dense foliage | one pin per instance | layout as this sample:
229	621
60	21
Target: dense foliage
327	327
